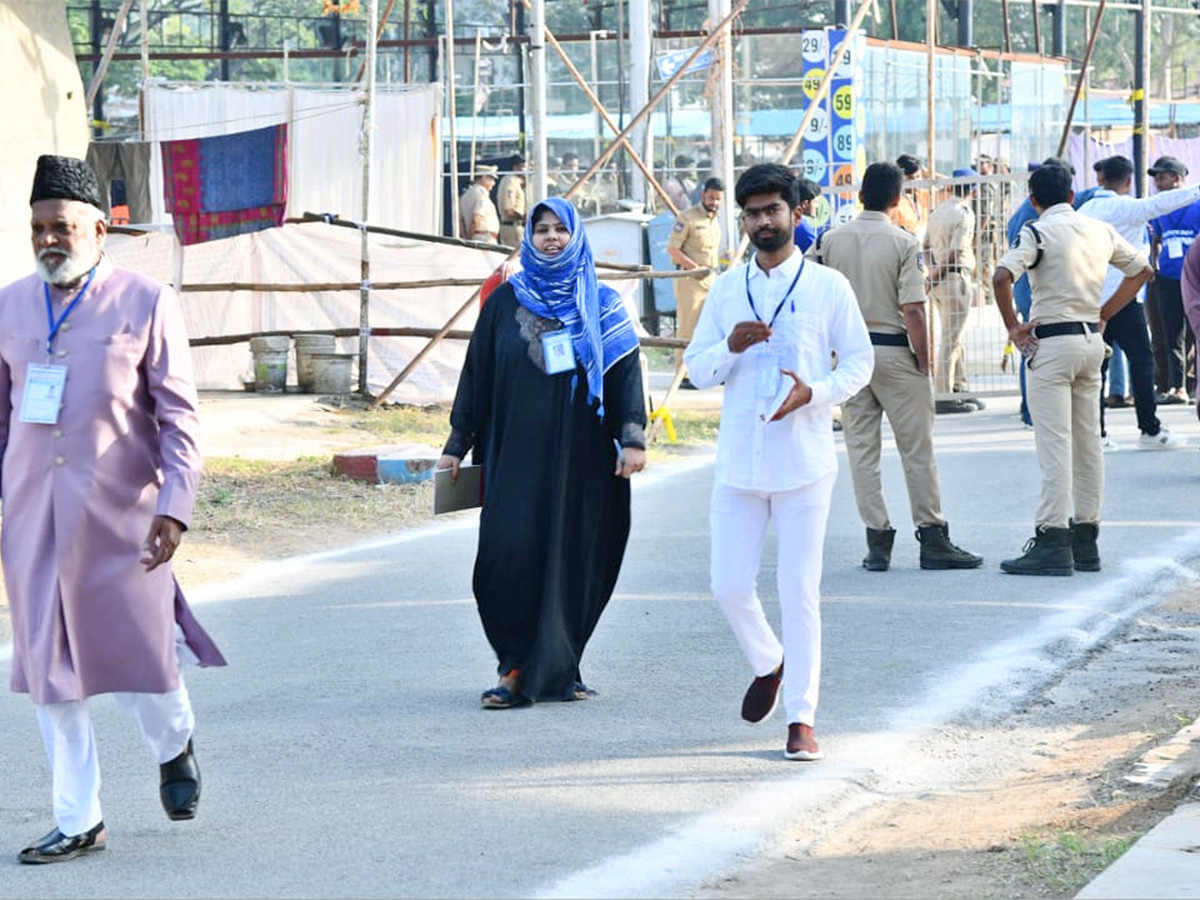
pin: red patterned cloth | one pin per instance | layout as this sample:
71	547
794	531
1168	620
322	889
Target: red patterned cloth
221	186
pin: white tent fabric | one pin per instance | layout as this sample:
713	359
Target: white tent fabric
324	162
318	253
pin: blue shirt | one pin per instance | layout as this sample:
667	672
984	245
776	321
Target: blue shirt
805	235
1175	232
1084	196
1022	293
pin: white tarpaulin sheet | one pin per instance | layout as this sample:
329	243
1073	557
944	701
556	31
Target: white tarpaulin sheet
318	253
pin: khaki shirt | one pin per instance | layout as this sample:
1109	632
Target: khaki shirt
883	264
512	199
1076	253
952	228
698	236
477	212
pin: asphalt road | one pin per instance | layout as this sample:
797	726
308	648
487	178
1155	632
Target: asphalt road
345	755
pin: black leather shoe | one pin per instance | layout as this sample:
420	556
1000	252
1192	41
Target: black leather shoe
179	785
762	696
58	847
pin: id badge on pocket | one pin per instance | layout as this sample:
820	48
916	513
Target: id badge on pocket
558	352
42	397
766	371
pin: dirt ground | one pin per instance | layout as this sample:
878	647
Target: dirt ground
1034	805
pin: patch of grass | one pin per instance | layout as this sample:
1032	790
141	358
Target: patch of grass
270	509
1065	861
406	424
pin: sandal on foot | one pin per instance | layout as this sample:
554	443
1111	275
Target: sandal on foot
580	691
501	697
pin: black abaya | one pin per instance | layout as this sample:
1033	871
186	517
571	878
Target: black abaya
555	518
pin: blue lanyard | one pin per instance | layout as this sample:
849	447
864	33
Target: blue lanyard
50	320
786	296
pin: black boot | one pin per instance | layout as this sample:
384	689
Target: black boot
1048	552
1083	546
937	552
879	549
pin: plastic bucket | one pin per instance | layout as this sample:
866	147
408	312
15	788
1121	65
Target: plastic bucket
331	372
270	355
306	346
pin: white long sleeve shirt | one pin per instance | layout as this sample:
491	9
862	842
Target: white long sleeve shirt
1130	216
815	318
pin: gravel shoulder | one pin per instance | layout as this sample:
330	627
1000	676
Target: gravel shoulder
1035	804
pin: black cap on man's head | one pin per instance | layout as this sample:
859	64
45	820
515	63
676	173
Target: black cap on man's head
1168	164
66	178
1114	169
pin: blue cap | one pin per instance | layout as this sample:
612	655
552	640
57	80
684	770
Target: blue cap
964	173
1034	166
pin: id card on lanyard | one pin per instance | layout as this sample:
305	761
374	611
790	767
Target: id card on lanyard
558	352
45	384
768	358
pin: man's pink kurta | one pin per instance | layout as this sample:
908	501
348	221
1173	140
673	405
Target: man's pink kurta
79	496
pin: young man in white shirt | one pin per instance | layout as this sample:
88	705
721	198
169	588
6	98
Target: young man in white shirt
769	330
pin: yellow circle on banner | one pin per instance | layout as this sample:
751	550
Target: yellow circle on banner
821	211
860	159
843	102
812	81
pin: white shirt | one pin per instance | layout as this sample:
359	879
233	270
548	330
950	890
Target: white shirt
1130	216
818	316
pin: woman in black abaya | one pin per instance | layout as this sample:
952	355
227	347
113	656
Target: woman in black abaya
550	402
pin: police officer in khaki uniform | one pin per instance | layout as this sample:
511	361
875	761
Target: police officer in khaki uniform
883	264
1066	256
476	211
511	197
695	243
950	239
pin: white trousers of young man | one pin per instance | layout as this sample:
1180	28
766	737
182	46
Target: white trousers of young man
738	527
166	722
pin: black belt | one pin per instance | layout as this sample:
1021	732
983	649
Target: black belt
889	340
1055	329
513	222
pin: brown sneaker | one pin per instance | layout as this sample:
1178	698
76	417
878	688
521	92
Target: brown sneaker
800	744
762	696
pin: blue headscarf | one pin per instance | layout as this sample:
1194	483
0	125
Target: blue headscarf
564	287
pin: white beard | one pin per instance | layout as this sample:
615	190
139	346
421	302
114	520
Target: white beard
70	270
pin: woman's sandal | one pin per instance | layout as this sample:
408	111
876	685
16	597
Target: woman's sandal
581	691
504	695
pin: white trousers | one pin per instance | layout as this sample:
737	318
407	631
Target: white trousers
165	721
738	526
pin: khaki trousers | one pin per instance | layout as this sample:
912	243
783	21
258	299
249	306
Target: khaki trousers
899	390
512	235
1063	381
689	300
953	298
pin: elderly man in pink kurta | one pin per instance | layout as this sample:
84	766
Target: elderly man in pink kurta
98	475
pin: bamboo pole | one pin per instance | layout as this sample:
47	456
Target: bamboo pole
223	340
712	38
1007	28
368	127
387	11
114	37
431	238
1087	58
227	287
608	120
